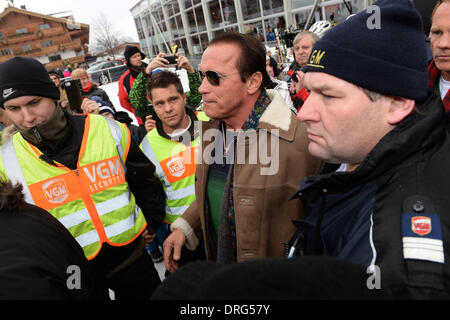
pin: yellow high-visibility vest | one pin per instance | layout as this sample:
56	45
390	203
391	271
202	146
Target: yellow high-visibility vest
93	201
175	165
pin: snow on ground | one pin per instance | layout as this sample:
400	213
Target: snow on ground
112	89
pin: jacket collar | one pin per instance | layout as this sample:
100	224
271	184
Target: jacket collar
190	113
278	116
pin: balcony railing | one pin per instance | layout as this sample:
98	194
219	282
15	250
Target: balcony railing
33	33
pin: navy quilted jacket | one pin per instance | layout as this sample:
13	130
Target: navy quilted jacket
392	212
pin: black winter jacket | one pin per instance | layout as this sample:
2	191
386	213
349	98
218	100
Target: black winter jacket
39	258
98	92
392	212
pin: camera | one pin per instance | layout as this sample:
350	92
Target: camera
74	94
171	59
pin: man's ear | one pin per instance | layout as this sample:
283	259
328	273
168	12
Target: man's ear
399	109
254	82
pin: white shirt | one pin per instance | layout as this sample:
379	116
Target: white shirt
180	132
444	86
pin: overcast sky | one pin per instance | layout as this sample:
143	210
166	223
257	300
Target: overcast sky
86	11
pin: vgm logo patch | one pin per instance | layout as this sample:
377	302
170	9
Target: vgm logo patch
55	190
421	225
176	167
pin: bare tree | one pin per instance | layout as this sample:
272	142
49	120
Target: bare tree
105	37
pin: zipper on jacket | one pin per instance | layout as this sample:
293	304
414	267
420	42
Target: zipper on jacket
316	245
37	134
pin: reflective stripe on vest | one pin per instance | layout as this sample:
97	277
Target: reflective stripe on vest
93	202
11	165
179	178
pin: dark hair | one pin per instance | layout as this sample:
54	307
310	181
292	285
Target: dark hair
252	56
164	79
11	196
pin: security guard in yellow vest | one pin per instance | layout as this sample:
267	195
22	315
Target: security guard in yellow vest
172	146
88	173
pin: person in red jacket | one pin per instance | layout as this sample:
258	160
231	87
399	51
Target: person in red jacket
134	58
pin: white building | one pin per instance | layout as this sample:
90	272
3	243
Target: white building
191	24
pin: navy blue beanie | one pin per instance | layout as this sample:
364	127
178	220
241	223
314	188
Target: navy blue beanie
103	106
385	55
23	76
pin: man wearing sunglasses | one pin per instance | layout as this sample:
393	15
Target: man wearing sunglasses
241	209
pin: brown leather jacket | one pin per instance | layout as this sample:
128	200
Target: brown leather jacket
263	211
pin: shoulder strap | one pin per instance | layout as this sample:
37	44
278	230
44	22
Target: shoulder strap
422	240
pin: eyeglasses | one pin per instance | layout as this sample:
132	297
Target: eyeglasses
213	77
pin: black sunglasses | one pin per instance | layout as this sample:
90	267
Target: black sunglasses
213	77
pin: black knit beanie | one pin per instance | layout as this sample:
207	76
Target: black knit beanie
22	76
129	51
381	49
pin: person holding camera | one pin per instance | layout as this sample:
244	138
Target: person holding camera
90	89
138	94
88	172
56	78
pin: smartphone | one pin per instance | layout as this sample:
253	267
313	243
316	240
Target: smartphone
151	111
171	59
74	94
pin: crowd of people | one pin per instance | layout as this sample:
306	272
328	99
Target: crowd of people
254	184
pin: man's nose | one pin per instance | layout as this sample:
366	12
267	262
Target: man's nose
308	112
28	116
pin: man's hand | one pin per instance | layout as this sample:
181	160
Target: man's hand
149	123
157	62
299	84
148	237
184	63
89	106
160	62
65	104
172	249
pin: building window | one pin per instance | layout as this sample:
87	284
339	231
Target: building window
272	6
21	30
26	48
6	52
250	9
54	58
222	12
177	26
139	28
1	35
44	26
191	21
48	43
172	7
339	12
301	3
187	4
300	18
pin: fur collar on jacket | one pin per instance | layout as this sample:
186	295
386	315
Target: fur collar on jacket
279	116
